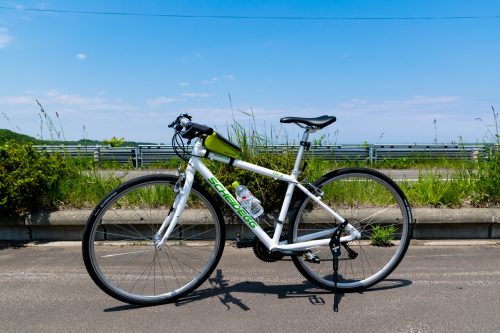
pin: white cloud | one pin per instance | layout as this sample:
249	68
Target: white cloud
424	100
86	103
17	100
160	101
184	84
81	56
360	106
5	37
212	80
217	117
100	113
202	95
215	79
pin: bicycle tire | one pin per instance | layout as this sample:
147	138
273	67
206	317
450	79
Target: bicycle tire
118	249
371	202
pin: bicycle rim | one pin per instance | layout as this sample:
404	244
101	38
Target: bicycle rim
376	207
122	258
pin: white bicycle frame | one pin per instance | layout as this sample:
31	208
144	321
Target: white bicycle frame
302	243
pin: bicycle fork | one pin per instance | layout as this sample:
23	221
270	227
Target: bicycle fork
182	194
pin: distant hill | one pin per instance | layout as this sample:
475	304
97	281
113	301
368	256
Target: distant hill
6	135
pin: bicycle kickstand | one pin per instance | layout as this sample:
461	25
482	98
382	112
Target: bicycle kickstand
335	248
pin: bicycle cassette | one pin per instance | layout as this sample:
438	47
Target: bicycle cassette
261	250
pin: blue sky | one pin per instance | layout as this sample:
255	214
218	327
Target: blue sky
385	80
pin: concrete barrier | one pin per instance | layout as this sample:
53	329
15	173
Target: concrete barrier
430	223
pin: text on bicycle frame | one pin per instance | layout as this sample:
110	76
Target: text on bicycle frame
232	202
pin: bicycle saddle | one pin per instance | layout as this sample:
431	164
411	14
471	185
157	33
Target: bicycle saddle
318	122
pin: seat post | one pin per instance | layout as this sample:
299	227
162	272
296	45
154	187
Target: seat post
304	144
291	186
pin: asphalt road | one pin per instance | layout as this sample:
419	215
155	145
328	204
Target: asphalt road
437	288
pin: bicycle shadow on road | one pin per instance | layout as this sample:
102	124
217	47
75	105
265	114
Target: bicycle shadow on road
223	290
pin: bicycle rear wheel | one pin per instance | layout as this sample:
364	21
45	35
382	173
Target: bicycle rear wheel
376	207
119	252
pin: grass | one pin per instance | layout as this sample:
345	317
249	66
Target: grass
83	190
473	184
357	191
382	236
432	190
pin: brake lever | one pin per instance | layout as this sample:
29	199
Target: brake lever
177	123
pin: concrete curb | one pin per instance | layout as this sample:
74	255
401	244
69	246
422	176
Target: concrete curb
464	223
431	223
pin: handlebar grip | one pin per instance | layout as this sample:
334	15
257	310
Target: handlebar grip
194	130
202	129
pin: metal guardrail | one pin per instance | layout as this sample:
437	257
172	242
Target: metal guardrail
144	155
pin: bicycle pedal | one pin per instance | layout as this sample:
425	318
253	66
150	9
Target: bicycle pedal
311	257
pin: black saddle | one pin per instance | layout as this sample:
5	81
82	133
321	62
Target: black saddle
318	122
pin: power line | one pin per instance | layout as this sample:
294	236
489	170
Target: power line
248	17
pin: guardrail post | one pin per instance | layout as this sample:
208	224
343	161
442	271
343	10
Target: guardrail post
474	154
371	151
97	158
137	157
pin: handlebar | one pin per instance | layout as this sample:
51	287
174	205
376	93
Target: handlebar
188	129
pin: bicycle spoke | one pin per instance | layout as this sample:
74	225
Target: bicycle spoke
367	200
124	256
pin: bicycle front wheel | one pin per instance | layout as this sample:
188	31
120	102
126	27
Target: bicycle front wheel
119	252
376	207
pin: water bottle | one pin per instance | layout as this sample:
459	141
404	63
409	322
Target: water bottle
247	200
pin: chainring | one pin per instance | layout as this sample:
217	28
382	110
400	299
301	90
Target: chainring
261	251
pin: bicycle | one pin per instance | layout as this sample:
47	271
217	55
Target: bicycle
157	238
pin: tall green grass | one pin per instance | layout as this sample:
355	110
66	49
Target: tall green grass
83	190
435	191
